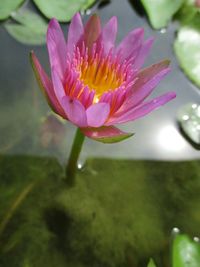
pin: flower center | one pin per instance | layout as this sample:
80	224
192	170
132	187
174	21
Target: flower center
100	73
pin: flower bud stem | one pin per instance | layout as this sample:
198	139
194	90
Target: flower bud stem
73	158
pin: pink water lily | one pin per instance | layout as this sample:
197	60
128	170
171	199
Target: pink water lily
95	84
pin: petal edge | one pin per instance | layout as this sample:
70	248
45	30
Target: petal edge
106	135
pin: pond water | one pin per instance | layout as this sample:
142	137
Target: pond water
129	196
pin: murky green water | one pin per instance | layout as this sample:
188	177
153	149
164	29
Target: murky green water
128	197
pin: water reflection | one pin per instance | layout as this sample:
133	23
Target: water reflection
169	139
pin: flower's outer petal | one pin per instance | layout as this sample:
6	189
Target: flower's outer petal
57	47
108	35
146	81
92	31
142	110
57	85
143	53
45	85
130	44
106	135
75	111
97	114
75	32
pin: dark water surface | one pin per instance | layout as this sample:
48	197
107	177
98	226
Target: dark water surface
122	210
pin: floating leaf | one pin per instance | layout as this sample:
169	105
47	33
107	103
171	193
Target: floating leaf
160	12
189	120
29	29
7	6
63	10
186	253
187	49
187	12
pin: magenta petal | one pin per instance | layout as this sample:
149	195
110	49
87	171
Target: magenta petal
45	85
97	114
131	43
92	30
75	32
107	135
143	53
142	109
57	85
108	35
146	81
75	111
57	47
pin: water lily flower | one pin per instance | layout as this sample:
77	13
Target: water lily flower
95	84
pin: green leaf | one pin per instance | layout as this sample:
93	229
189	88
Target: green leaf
62	10
187	12
7	6
186	253
187	47
29	29
160	12
151	263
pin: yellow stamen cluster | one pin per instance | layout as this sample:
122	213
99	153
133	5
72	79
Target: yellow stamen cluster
100	75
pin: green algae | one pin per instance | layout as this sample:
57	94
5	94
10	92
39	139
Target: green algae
120	213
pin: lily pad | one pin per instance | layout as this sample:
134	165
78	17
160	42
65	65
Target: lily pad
62	10
160	12
186	253
29	29
189	120
7	6
187	49
187	12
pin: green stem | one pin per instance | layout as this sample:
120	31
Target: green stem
73	158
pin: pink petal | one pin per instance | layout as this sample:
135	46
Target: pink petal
108	35
97	114
131	44
57	85
107	135
143	53
46	85
92	30
75	32
57	47
142	109
146	81
75	111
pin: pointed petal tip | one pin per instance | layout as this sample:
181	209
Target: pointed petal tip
95	15
150	40
114	19
92	30
114	22
31	55
77	15
53	23
138	31
76	19
166	62
52	26
172	95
